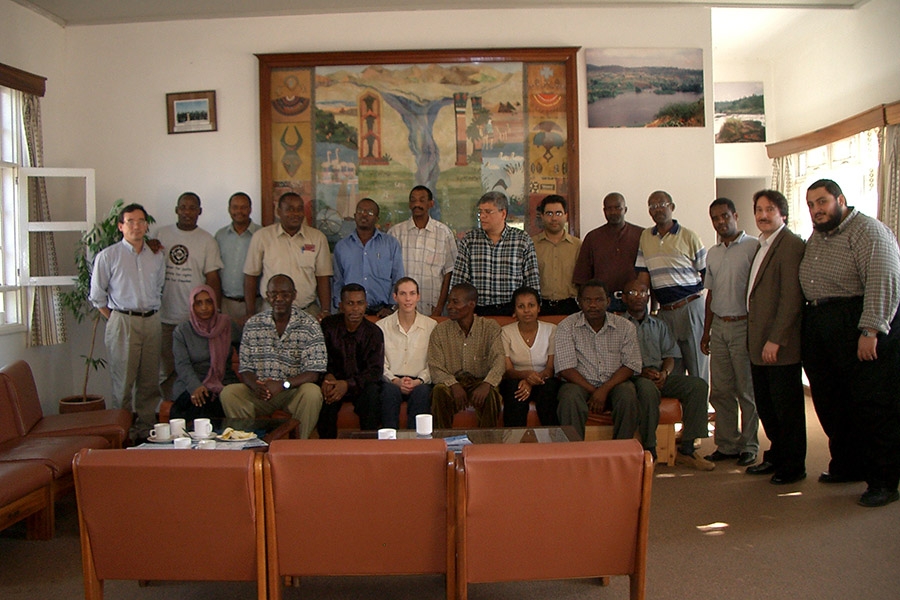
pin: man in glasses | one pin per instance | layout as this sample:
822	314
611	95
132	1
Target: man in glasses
656	379
671	261
370	258
556	252
282	356
495	258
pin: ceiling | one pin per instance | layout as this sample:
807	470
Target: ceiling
96	12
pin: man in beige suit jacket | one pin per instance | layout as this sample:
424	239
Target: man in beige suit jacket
774	304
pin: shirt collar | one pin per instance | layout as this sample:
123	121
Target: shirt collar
673	231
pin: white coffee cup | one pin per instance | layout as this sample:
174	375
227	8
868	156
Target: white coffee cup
387	434
424	424
178	427
207	444
160	432
202	427
183	443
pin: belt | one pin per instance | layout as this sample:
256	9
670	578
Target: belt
235	298
680	303
732	319
136	313
822	301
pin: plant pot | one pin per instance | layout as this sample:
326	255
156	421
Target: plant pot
75	404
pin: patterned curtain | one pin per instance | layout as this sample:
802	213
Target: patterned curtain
889	209
783	181
47	324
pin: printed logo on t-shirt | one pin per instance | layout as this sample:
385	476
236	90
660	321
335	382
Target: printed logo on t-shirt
179	254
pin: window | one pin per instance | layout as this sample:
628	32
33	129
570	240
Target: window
72	204
11	157
852	162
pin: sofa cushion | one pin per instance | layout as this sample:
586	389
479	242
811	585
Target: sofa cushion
55	452
23	393
112	424
20	478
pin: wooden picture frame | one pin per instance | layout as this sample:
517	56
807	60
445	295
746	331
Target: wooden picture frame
336	127
191	112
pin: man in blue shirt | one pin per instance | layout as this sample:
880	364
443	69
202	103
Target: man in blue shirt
234	241
126	287
370	258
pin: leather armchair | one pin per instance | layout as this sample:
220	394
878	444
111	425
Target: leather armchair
553	511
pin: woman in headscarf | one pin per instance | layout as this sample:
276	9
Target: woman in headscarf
202	347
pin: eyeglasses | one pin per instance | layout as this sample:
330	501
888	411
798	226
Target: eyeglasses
486	212
659	205
362	212
637	293
553	213
135	222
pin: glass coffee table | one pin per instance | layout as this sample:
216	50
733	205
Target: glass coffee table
488	435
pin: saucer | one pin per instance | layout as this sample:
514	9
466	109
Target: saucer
167	440
198	436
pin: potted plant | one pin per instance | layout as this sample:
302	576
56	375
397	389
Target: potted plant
104	233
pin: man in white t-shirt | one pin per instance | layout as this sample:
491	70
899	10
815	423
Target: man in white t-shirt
192	258
406	374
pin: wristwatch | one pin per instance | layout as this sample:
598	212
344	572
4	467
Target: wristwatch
867	333
286	384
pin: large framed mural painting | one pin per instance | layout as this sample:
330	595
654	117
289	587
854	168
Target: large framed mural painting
339	127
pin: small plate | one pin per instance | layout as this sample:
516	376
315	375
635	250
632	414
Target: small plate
246	439
167	440
197	436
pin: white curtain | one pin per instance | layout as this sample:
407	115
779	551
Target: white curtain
889	211
46	324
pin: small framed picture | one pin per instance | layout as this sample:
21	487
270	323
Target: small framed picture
190	112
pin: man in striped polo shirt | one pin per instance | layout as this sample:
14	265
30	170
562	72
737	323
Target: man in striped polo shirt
671	261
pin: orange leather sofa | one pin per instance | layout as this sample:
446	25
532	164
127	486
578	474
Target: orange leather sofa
359	507
574	511
142	514
112	424
55	453
26	493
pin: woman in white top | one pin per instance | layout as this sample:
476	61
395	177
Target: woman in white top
528	344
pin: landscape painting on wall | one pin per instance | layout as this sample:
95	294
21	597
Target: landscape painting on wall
339	127
645	87
740	112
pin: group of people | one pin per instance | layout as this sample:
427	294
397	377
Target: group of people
772	306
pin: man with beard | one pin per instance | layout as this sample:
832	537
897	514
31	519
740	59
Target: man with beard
608	252
556	252
850	275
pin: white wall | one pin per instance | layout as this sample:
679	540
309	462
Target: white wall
118	76
839	64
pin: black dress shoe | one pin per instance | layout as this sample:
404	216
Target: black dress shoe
763	468
746	459
720	456
827	477
874	497
789	478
